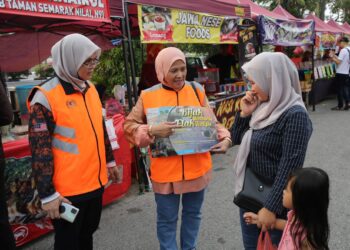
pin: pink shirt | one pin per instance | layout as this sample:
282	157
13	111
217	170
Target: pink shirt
287	242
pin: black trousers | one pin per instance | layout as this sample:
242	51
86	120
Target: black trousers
341	81
79	235
6	235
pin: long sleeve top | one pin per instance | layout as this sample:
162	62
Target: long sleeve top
276	150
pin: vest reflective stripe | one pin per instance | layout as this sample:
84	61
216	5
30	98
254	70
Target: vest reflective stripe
40	98
51	84
65	131
65	146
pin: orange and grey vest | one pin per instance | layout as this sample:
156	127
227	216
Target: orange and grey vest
78	141
176	168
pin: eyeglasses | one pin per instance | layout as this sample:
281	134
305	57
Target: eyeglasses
91	62
247	82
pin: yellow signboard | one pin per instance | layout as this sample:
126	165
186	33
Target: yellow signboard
165	25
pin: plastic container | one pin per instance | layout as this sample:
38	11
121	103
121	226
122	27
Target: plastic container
210	79
22	95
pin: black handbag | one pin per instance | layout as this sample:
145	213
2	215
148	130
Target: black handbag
254	192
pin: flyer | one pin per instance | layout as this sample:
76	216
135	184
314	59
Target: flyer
196	135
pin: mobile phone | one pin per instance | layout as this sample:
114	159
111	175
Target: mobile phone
68	212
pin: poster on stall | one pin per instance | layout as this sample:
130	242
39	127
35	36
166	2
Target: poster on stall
227	109
286	32
326	40
93	10
166	25
197	132
248	43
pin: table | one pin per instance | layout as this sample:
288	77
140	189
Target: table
27	219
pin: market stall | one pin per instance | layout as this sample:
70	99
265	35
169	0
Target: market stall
324	69
203	24
297	33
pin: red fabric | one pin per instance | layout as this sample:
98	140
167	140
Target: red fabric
320	26
257	10
346	26
281	11
122	157
24	50
337	27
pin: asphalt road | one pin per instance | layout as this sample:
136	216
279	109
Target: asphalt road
129	224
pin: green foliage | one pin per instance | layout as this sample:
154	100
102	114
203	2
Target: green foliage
43	71
111	69
14	76
340	10
296	7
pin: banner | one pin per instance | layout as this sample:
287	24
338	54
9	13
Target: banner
196	135
286	32
227	109
88	10
165	25
326	40
248	43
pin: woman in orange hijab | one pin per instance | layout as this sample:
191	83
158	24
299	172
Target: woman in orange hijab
179	177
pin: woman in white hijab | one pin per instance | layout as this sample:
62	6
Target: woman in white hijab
273	130
68	140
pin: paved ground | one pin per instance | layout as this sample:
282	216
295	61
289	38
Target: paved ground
129	224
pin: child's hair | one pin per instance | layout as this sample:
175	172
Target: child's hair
310	194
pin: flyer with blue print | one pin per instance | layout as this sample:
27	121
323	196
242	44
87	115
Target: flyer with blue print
196	135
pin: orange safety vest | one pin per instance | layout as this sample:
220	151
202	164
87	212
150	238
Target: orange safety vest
78	141
176	168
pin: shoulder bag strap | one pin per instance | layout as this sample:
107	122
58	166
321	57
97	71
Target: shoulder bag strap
195	91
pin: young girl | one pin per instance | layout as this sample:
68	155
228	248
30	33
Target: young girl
307	197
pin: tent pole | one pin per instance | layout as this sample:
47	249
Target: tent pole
313	79
125	54
131	52
130	99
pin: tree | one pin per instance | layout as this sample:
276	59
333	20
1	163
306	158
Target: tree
340	10
295	7
111	69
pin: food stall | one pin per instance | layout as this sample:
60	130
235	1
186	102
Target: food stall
293	32
165	25
324	69
27	29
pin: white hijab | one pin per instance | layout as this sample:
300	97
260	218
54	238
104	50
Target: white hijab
69	54
276	75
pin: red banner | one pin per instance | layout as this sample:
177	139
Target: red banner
89	10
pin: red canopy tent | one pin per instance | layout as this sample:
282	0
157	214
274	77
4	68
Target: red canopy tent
320	26
337	27
256	10
281	11
346	26
26	40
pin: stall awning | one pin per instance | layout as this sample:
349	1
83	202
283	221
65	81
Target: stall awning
281	11
320	26
337	27
256	9
217	7
346	26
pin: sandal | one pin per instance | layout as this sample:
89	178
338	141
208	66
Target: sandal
337	108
